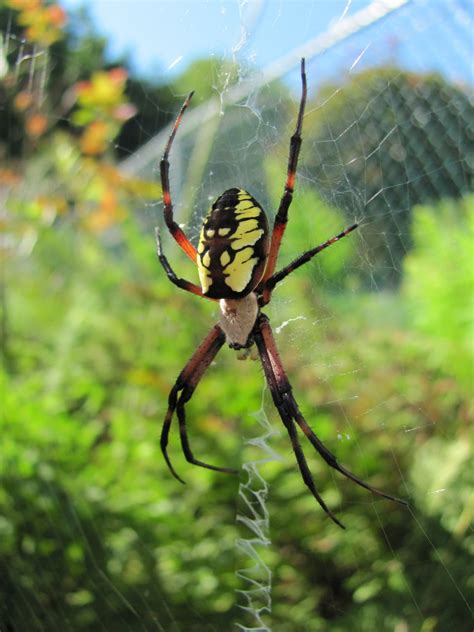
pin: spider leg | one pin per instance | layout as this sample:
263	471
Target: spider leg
331	459
281	217
301	460
173	227
181	283
280	388
267	347
299	261
184	398
182	392
166	427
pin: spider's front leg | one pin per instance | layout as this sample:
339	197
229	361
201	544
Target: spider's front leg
182	392
280	389
173	227
270	283
281	217
170	273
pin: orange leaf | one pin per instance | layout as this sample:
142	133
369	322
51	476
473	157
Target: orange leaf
94	138
9	177
108	212
24	5
118	75
23	100
57	15
36	124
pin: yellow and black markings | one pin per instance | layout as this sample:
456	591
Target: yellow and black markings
233	246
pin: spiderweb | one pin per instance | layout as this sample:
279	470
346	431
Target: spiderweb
388	127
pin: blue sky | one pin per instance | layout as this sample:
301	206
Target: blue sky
163	37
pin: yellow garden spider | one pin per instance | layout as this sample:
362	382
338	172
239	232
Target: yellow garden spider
236	261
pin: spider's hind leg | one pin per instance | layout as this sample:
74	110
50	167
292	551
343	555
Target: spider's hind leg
331	459
281	393
182	392
185	397
165	430
289	412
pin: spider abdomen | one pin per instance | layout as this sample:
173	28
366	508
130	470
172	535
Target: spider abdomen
233	246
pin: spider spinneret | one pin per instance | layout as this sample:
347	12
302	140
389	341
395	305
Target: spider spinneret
236	260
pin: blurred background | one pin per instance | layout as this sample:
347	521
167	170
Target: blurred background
376	333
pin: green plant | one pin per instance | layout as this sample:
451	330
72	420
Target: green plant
439	285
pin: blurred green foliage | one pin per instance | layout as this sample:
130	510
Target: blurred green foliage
95	534
442	306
